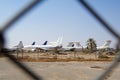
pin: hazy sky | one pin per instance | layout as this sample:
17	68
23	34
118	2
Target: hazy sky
54	18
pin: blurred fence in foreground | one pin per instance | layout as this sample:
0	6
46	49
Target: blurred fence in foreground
27	9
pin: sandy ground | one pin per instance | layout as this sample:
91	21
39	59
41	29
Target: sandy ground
57	70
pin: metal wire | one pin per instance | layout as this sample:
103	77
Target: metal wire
109	28
22	66
110	68
27	9
102	21
20	14
2	40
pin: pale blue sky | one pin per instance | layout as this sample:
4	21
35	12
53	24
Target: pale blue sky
56	18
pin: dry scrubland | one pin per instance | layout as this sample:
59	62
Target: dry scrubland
63	57
59	67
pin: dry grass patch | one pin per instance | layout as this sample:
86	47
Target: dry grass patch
55	59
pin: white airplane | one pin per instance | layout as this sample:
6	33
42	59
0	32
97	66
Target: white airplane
17	47
32	47
106	45
72	46
51	45
20	47
45	45
69	47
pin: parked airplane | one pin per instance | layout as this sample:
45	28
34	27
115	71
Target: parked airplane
32	47
51	45
106	45
69	47
20	47
72	46
17	47
44	46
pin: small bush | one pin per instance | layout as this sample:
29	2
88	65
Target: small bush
103	56
110	53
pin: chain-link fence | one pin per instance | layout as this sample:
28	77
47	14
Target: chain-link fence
27	9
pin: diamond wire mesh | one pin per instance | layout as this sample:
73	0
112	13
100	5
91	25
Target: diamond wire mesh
27	9
2	40
110	29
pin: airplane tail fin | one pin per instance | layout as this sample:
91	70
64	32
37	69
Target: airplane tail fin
33	43
73	45
78	44
107	43
70	44
45	43
20	45
58	42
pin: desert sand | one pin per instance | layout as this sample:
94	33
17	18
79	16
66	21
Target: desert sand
58	70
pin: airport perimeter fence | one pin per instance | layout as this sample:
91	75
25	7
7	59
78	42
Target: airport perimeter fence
29	7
